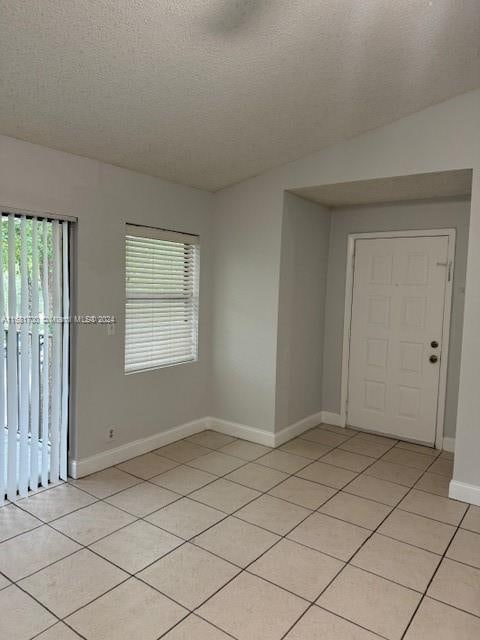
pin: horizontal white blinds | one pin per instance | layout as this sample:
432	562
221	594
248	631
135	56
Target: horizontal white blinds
161	320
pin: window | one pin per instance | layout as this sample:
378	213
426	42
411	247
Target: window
162	281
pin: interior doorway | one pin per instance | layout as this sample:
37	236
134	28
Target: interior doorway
398	304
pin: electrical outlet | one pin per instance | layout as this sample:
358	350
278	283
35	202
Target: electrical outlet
110	434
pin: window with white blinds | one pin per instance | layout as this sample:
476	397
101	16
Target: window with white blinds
162	285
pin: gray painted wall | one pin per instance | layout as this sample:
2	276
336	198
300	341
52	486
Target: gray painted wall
393	217
104	198
301	312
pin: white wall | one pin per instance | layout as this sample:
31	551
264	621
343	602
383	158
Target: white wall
249	215
395	217
104	198
303	281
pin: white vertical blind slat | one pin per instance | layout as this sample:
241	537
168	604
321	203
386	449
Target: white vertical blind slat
12	381
35	363
56	355
65	351
3	417
45	364
24	363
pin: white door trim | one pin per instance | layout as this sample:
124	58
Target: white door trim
442	385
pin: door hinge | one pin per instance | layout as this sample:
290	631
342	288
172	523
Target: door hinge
448	265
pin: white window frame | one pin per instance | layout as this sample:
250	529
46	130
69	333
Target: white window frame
144	232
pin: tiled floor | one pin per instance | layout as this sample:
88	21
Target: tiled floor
336	535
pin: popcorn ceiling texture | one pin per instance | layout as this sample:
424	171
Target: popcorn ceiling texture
209	92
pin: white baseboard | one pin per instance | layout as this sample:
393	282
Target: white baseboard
105	459
464	492
334	419
86	466
449	444
243	431
297	428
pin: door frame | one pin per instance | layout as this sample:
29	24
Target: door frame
442	383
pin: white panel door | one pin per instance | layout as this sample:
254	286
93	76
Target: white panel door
397	319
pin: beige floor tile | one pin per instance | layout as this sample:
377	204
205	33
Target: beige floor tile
72	582
397	561
283	461
211	439
347	460
22	617
366	446
59	631
194	628
442	466
432	506
421	532
225	495
257	476
54	503
247	451
434	483
186	518
273	514
327	474
375	489
237	541
271	610
147	466
437	621
408	458
343	431
14	521
182	451
370	601
306	448
133	609
183	479
217	463
360	511
135	547
458	585
303	492
31	551
465	548
447	455
142	499
419	448
92	523
398	473
318	624
297	568
106	482
329	535
472	519
189	575
324	436
4	582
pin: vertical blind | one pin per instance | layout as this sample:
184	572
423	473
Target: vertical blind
34	356
162	284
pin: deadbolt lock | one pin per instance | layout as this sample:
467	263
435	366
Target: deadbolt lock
434	344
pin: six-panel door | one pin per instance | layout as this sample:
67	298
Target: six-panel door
397	313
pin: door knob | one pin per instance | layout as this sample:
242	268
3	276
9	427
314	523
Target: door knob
433	359
434	344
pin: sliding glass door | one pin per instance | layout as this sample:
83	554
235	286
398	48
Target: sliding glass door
34	352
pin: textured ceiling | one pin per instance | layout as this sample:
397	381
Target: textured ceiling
442	184
209	92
